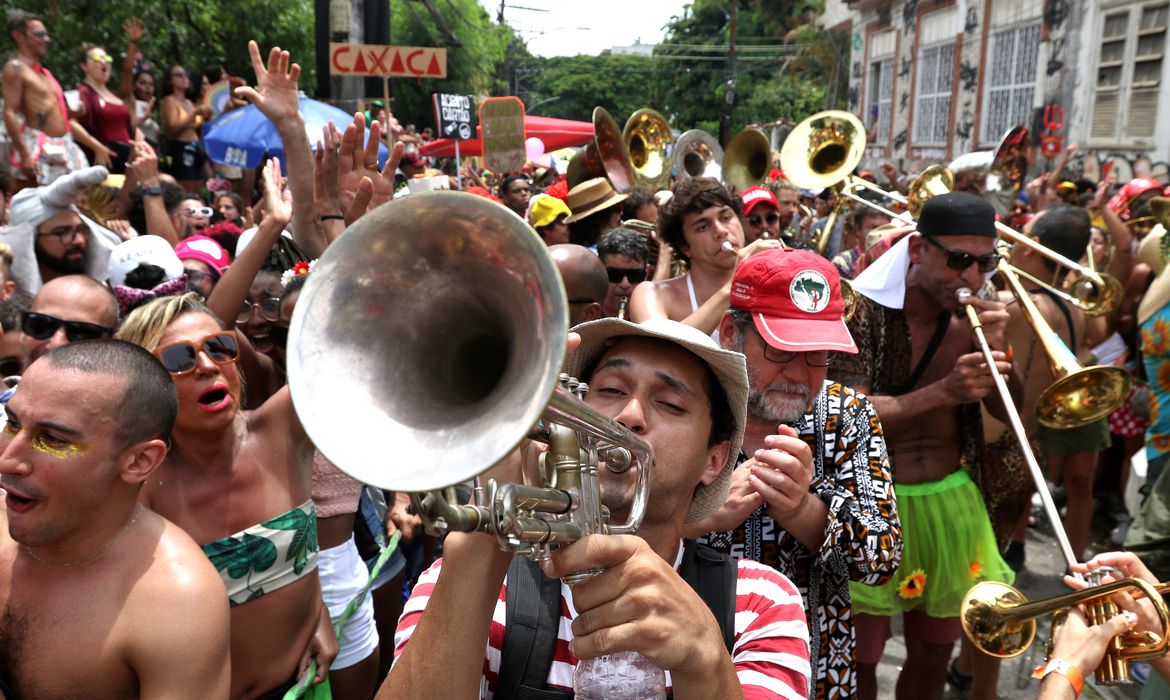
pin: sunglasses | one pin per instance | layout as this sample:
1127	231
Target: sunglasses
961	260
43	326
180	74
180	358
40	34
205	212
758	221
102	58
616	274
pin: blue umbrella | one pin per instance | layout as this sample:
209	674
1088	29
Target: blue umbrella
242	137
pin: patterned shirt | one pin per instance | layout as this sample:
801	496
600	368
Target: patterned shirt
771	637
1156	357
863	538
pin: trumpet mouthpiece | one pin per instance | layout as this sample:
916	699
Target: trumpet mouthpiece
727	247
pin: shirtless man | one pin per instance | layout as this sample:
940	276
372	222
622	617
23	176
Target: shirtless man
34	108
922	370
698	220
90	581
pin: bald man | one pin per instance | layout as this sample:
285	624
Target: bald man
586	282
67	309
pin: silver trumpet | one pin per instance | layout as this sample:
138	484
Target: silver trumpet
427	345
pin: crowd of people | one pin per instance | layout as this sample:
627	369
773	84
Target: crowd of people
824	461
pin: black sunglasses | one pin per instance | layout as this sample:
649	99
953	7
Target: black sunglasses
180	358
769	218
617	273
43	326
961	260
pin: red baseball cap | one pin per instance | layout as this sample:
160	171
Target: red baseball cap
794	297
753	196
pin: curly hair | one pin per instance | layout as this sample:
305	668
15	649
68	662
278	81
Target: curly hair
694	194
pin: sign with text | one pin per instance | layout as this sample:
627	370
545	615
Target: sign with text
454	116
387	61
502	123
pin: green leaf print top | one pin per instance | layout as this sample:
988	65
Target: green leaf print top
267	556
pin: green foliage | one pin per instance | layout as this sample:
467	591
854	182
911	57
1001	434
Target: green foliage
193	33
471	67
574	85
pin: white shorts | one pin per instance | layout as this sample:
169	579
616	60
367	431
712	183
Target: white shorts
343	575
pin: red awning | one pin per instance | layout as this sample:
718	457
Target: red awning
555	133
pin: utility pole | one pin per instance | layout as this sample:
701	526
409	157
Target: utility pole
729	78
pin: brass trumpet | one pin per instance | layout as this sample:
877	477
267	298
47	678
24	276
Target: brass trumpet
394	342
999	620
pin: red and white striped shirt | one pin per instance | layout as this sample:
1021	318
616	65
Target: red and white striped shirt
770	652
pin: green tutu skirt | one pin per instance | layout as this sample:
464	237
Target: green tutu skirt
949	546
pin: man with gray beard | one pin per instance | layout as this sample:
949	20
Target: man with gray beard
812	495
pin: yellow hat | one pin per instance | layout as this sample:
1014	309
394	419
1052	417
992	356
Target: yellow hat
546	209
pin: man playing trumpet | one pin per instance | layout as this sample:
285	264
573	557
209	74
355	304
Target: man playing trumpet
919	365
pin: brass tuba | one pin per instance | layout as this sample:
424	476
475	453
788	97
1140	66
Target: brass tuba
605	156
649	141
395	344
698	154
995	175
747	160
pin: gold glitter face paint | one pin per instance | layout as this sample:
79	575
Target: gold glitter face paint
47	444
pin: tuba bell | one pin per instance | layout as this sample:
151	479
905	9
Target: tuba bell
747	160
604	156
699	155
394	342
995	175
649	141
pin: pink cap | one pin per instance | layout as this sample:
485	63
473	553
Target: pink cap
205	250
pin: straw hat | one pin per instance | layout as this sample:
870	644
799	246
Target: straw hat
590	197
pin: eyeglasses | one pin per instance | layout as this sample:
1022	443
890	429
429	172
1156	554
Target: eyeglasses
180	358
43	326
200	277
758	221
812	358
205	212
617	274
66	234
961	260
269	310
102	58
40	34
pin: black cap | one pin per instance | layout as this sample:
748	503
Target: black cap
957	214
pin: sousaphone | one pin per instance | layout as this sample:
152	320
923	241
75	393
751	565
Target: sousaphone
698	154
605	156
995	175
747	159
649	142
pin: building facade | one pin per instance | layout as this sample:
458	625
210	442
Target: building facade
934	79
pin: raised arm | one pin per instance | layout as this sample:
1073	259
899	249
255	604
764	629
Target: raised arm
134	32
275	95
144	169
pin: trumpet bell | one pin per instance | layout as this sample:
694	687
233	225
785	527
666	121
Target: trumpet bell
1082	397
747	160
396	342
699	154
984	625
823	149
649	140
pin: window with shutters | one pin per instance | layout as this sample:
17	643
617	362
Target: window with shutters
1129	73
881	91
932	112
1011	79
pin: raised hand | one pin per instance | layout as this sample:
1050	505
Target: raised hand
134	29
275	94
360	183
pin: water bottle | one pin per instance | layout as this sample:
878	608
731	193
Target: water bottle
626	675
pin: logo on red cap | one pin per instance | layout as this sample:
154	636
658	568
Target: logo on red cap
809	291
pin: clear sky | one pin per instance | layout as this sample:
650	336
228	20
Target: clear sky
571	27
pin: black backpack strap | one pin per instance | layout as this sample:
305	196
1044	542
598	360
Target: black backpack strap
713	575
533	612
